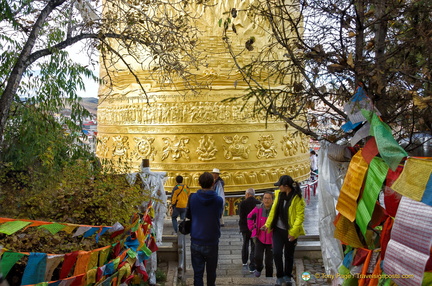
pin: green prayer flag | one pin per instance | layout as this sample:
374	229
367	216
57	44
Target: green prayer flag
146	250
384	281
8	260
427	279
103	256
116	262
388	147
53	227
131	253
135	227
375	177
349	279
11	227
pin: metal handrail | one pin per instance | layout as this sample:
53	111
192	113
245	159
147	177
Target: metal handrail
181	239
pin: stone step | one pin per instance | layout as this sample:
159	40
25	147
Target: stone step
309	237
309	249
240	281
308	245
229	271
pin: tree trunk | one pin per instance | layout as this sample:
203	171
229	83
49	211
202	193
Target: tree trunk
380	37
359	41
21	65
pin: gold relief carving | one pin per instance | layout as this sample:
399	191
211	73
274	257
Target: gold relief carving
237	204
164	114
186	178
195	179
306	168
171	180
273	175
238	149
290	171
282	171
144	148
226	176
242	178
239	178
207	149
221	128
177	147
296	171
102	146
289	145
263	176
177	113
252	177
302	143
121	145
266	149
245	165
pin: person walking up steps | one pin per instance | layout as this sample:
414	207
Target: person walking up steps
256	219
179	200
286	220
205	211
245	207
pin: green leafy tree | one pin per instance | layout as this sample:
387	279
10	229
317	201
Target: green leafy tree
326	49
45	172
35	34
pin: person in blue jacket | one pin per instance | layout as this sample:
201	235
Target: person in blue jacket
205	211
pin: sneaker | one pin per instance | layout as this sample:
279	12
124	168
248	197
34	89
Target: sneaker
287	280
279	282
257	273
245	269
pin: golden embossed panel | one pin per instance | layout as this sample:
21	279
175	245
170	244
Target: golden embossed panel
189	134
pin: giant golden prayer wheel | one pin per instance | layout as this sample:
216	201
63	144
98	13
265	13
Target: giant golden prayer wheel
189	134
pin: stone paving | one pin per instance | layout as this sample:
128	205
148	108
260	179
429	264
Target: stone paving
230	270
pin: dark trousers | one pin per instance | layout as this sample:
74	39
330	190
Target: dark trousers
177	212
245	249
204	257
283	252
260	250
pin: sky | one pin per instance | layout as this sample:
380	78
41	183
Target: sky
91	88
80	56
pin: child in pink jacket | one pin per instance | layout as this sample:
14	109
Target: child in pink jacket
263	243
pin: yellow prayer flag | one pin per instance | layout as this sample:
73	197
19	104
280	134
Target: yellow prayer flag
70	228
413	179
353	182
91	276
93	262
346	232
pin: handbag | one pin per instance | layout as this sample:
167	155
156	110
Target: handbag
184	226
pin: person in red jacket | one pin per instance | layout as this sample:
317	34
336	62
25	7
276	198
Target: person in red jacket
256	219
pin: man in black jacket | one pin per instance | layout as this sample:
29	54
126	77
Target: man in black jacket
245	207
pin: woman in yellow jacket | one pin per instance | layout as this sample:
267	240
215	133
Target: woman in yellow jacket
286	221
